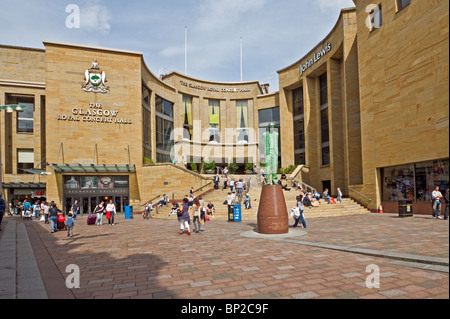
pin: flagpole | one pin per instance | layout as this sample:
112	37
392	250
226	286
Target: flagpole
185	50
241	59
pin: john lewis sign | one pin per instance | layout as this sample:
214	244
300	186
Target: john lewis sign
316	58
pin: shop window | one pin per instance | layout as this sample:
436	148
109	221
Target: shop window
414	181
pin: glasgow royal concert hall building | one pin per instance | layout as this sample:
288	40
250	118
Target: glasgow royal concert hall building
366	110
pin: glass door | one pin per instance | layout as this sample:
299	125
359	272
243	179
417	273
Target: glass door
85	206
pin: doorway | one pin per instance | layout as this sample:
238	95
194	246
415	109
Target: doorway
326	184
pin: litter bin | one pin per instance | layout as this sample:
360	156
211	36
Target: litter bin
128	212
405	208
237	213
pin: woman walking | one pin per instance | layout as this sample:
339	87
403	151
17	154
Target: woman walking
301	208
183	217
110	211
99	210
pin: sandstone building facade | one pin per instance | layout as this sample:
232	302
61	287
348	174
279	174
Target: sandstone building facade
366	110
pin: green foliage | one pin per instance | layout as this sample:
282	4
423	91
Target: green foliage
209	166
148	161
287	170
194	167
233	167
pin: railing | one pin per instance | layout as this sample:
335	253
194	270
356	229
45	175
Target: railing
306	186
201	188
362	195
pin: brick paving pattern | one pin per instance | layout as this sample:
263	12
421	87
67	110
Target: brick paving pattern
148	259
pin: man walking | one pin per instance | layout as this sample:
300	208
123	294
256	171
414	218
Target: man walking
75	209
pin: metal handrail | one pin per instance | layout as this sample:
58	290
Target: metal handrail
201	188
306	185
354	190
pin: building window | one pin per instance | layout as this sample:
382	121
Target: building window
323	89
214	121
401	4
324	122
325	155
164	129
146	122
25	119
299	126
297	97
324	126
187	117
242	121
25	161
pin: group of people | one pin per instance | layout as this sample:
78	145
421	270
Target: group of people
196	207
49	213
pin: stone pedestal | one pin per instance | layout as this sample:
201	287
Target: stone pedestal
272	212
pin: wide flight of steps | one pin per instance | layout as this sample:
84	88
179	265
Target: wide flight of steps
217	197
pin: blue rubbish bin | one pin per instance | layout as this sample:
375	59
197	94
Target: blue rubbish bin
128	212
237	213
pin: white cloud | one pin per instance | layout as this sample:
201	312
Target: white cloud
95	17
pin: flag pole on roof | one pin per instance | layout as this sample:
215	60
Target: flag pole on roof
241	59
185	50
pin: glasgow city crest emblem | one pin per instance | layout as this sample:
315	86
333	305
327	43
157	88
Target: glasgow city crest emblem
95	80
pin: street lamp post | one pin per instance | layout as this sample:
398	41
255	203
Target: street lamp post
9	109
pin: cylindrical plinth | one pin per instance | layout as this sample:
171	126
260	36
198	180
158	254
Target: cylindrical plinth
272	212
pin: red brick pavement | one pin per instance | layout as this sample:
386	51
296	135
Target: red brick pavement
148	259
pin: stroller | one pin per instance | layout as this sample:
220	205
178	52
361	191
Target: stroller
26	215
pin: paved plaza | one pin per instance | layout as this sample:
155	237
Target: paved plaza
333	258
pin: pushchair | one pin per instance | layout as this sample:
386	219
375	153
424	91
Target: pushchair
26	215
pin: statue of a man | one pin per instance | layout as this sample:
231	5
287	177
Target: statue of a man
270	140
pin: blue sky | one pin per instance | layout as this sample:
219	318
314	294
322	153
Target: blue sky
275	33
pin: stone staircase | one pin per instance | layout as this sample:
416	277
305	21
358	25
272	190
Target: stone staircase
217	197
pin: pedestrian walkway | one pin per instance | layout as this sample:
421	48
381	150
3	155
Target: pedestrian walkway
148	259
19	273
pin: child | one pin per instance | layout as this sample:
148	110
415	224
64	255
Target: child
70	224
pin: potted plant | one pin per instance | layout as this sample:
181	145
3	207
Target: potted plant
248	168
233	167
209	167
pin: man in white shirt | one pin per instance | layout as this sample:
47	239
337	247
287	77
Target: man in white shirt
436	195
